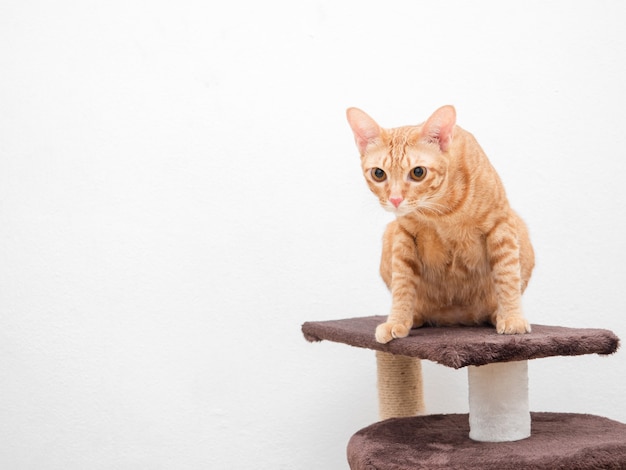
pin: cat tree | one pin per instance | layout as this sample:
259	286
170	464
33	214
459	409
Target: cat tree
499	431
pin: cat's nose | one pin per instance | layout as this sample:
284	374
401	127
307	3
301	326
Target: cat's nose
396	201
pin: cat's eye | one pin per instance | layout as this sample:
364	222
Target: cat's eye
378	174
418	173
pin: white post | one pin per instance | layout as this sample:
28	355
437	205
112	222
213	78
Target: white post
498	402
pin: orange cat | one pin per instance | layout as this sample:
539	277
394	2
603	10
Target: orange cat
456	254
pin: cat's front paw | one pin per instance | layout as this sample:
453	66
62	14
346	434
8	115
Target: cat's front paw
387	331
513	325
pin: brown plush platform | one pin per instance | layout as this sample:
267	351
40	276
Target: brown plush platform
558	441
464	346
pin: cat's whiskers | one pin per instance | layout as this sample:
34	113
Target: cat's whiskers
431	206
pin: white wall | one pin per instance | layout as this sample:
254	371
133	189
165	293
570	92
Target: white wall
179	192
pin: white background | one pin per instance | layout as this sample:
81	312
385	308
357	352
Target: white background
180	191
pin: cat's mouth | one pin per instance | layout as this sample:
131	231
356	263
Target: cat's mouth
401	210
424	207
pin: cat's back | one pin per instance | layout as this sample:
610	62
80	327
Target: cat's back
466	150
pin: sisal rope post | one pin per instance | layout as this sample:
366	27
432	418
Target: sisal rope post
400	389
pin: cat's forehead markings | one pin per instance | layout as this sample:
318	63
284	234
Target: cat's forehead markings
400	158
420	157
406	138
376	158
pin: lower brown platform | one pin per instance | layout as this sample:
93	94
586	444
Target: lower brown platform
558	441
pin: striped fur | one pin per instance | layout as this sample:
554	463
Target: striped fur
456	254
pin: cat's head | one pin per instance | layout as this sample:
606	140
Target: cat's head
406	167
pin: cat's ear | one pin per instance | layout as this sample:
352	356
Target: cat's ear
440	126
364	128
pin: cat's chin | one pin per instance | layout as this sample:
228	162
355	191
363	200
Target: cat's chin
397	211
